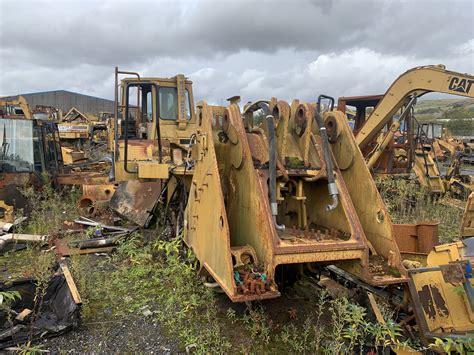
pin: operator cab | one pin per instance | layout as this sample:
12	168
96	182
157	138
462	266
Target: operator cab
29	146
153	125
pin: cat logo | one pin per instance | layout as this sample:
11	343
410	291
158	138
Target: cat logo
460	85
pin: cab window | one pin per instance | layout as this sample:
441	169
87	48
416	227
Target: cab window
169	104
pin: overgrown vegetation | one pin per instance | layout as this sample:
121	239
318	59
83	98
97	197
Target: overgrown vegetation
149	277
49	209
407	202
153	279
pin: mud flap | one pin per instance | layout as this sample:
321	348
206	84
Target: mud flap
136	201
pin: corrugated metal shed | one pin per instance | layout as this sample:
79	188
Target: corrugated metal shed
65	100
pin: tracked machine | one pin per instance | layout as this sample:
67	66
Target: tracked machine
391	139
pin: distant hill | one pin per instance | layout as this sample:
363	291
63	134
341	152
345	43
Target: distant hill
456	114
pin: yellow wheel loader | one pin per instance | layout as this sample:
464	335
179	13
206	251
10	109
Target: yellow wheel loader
257	201
240	209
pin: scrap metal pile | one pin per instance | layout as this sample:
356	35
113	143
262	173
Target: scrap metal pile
264	193
43	308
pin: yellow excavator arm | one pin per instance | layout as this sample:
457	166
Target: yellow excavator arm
415	82
20	102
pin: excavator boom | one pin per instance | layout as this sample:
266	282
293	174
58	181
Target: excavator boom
17	107
415	82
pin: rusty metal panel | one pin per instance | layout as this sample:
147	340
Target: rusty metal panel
136	200
441	293
373	216
416	238
453	273
83	178
440	307
152	170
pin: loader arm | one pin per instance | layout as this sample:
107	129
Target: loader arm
415	82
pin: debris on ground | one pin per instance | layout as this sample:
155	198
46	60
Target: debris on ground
12	238
40	310
7	227
104	239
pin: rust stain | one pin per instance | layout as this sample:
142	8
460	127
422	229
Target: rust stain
432	302
427	302
439	302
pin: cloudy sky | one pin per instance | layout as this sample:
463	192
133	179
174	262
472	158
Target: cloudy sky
256	49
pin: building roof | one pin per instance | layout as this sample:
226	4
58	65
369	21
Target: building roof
62	91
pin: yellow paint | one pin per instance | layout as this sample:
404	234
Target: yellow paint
152	170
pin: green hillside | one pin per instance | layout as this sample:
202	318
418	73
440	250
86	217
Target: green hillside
459	112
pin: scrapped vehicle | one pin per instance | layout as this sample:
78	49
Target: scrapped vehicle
261	201
29	151
390	137
81	134
217	160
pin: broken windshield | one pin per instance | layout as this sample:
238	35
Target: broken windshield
16	145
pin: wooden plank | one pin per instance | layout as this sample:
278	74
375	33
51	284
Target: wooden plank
70	282
375	308
62	249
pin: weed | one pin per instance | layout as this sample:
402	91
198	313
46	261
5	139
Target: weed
231	315
463	345
257	324
41	273
7	297
407	202
29	349
160	277
49	208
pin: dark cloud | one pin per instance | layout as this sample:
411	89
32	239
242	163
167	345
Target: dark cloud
289	48
125	32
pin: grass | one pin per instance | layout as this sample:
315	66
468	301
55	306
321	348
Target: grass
458	111
49	209
407	202
159	277
440	104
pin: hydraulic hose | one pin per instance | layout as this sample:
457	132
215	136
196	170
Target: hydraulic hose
279	164
272	163
332	187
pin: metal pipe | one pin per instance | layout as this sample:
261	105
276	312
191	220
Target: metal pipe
272	171
383	144
98	243
117	72
158	128
10	238
332	187
125	137
5	226
116	136
316	177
